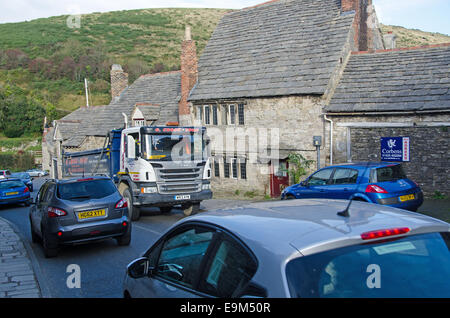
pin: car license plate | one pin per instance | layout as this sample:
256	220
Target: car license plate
12	193
182	197
408	197
91	214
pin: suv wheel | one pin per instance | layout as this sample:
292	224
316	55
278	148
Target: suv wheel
50	247
125	239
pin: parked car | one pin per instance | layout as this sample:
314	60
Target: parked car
5	174
25	177
381	183
78	211
37	173
13	191
297	248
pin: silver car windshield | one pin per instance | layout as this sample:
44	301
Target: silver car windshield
416	266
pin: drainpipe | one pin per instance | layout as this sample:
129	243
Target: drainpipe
331	137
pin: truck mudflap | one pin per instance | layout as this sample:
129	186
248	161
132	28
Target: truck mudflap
164	200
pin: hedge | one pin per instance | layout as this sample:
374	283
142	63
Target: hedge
16	162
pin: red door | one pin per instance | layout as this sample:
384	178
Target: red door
279	178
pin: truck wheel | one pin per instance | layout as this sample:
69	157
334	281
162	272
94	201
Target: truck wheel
133	211
191	209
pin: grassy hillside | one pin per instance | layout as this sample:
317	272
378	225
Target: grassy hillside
49	60
412	38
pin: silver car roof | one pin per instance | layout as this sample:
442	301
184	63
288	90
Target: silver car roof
312	225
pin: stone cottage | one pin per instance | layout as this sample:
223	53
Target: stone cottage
263	80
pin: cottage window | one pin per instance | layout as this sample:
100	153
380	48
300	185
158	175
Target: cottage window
232	114
243	166
241	114
226	169
207	115
200	113
216	168
215	115
234	168
139	122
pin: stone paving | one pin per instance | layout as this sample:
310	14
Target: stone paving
17	278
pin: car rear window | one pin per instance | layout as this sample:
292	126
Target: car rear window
389	173
84	190
11	184
415	266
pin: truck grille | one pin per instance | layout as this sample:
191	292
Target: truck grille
174	181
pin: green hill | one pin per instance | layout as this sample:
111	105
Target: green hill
49	60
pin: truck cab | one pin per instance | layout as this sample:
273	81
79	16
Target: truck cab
164	166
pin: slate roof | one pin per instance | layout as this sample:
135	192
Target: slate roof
287	47
398	80
163	89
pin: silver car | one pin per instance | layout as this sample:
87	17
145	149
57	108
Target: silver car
299	248
78	211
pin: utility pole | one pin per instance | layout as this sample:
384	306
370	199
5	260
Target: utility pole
86	89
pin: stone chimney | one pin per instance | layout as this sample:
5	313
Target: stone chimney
189	71
119	81
390	41
362	26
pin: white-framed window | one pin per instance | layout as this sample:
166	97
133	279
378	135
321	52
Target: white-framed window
139	122
231	114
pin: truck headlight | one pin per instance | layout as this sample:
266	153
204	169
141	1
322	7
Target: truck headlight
206	186
149	190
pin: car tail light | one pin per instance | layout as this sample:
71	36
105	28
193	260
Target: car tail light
372	188
122	204
54	212
26	190
384	233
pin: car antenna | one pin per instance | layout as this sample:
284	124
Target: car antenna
346	212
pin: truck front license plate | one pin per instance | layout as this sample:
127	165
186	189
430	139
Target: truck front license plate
182	197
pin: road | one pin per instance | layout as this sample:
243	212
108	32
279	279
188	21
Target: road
102	264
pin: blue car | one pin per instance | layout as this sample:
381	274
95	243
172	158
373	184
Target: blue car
13	191
381	183
25	177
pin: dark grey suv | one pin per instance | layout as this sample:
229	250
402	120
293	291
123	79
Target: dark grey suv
78	211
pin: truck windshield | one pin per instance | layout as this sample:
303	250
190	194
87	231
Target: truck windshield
174	147
415	266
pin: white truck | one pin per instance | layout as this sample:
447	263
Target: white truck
153	166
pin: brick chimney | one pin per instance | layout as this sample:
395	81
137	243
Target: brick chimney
188	75
363	30
119	81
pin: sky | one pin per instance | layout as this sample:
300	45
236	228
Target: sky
426	15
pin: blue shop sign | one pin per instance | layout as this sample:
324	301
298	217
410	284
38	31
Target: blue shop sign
395	149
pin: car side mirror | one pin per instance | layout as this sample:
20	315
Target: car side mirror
253	290
139	268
